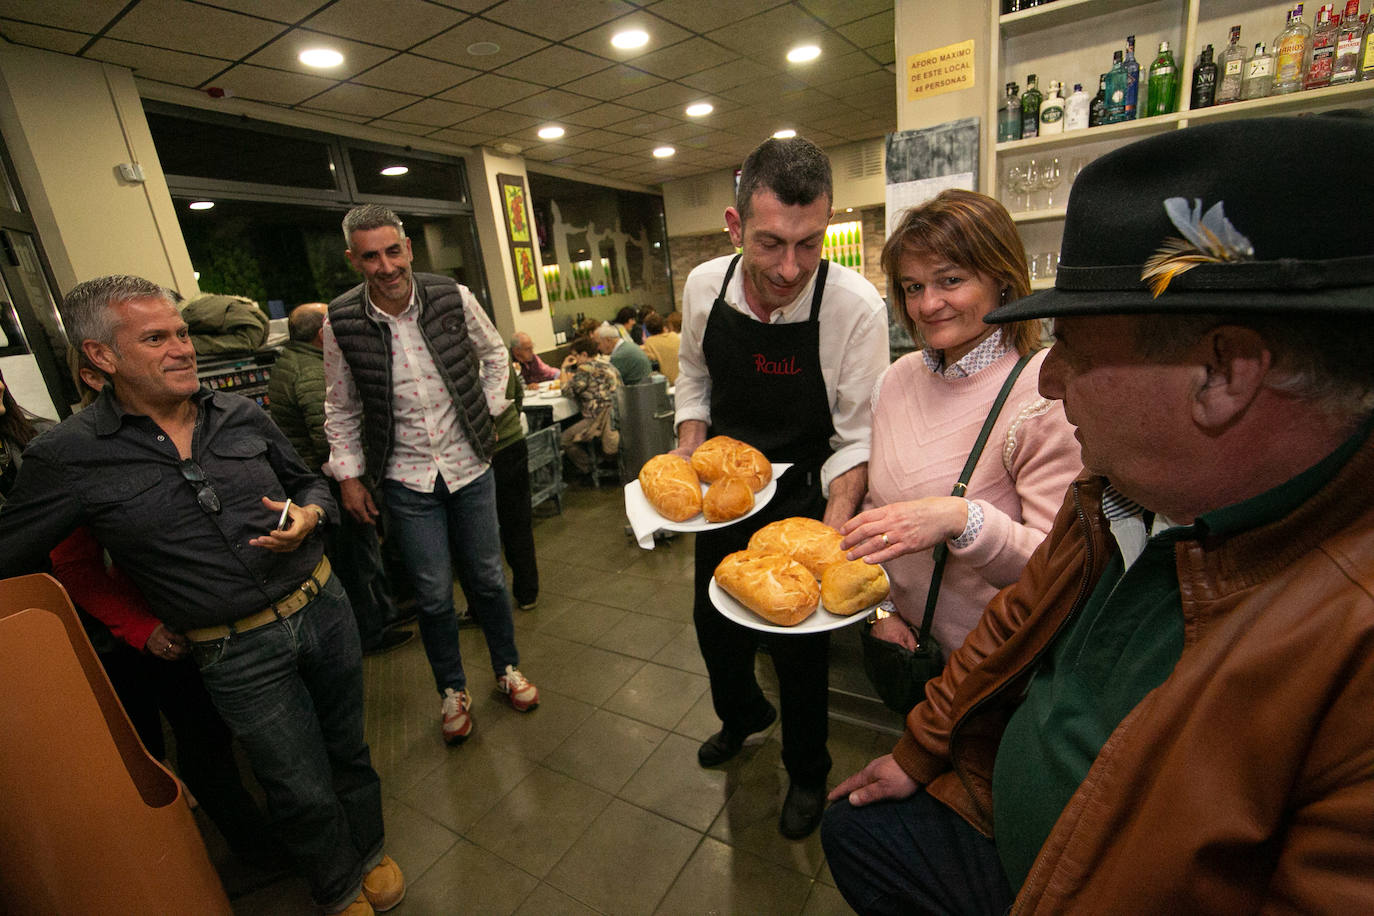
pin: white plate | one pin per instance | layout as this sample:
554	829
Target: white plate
636	505
818	622
552	394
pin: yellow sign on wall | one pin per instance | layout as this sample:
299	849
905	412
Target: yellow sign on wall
940	70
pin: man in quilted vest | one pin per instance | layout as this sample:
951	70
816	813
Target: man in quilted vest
415	372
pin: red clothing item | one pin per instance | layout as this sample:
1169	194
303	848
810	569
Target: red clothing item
106	594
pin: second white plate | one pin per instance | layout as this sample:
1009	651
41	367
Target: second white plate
818	622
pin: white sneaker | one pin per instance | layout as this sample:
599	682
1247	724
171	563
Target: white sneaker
457	721
523	695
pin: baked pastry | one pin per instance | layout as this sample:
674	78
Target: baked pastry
776	588
852	586
727	499
813	544
722	456
671	487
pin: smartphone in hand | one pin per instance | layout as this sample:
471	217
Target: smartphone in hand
285	521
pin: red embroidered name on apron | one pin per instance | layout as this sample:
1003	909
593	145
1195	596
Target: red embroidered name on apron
768	366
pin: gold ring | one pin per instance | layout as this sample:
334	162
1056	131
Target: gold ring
886	542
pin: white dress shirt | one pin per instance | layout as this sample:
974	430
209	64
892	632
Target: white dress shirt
427	437
853	351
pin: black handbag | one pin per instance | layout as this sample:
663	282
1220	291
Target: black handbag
897	673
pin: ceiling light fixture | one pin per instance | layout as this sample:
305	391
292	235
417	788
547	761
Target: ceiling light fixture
803	53
395	170
663	152
630	39
552	132
202	204
786	133
321	57
483	48
700	109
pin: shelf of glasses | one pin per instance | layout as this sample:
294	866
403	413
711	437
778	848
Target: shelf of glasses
1042	283
1043	215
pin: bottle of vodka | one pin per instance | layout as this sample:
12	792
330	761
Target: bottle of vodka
1231	69
1077	109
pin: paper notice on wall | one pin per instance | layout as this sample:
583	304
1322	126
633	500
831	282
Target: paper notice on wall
919	164
939	70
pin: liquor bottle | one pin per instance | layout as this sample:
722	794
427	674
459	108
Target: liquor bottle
1323	54
1097	108
1132	109
1367	50
1009	118
1204	81
1114	108
1052	111
1346	68
1076	109
1231	69
1163	83
1291	49
1259	74
1030	108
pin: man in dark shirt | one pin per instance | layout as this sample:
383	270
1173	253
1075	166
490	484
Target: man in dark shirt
185	487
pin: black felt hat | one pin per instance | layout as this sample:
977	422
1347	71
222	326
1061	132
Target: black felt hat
1263	215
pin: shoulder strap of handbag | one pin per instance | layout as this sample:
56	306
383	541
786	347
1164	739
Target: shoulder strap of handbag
941	551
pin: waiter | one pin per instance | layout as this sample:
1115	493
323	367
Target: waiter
779	349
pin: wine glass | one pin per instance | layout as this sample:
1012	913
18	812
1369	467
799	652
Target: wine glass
1031	182
1051	176
1076	166
1011	185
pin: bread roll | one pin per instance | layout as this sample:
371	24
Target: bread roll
671	487
727	499
852	586
779	590
813	544
722	456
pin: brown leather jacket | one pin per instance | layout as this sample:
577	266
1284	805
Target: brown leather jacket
1245	782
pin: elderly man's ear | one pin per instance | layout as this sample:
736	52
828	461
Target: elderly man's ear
1235	362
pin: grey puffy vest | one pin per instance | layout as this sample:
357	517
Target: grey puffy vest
366	347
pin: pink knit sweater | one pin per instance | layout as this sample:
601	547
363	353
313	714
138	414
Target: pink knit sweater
924	426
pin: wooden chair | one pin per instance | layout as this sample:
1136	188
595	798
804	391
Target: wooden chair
90	823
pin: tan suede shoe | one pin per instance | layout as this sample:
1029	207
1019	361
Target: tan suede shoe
384	886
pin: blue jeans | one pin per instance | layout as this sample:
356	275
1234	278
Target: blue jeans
912	856
427	527
292	693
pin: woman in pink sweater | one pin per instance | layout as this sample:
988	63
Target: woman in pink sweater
950	262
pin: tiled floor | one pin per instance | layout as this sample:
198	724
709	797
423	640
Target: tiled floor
594	802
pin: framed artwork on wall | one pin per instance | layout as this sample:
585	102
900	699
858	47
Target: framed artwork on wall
515	204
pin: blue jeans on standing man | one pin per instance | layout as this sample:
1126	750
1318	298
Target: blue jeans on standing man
292	693
427	527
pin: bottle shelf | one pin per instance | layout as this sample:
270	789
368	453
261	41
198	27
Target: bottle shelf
1307	100
1137	128
1058	13
1045	215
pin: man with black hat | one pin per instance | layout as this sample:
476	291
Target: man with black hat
1169	712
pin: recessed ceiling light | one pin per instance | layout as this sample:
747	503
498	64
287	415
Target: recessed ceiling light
700	109
395	170
483	48
663	152
786	133
552	132
630	39
321	57
802	53
201	204
849	209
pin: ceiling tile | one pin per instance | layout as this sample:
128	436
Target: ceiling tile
400	24
593	139
411	73
684	58
172	24
690	134
467	6
704	15
530	135
639	145
765	91
547	152
283	54
877	81
554	66
870	31
263	85
571	17
490	90
23	33
613	82
780	27
600	115
838	12
157	63
462	137
498	123
401	127
645	125
720	78
885	54
855	63
451	46
551	104
669	97
435	113
361	100
287	11
583	157
661	35
89	16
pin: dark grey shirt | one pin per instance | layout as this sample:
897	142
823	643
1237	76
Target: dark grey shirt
119	473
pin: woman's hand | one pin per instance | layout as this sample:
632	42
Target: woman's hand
894	629
891	531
